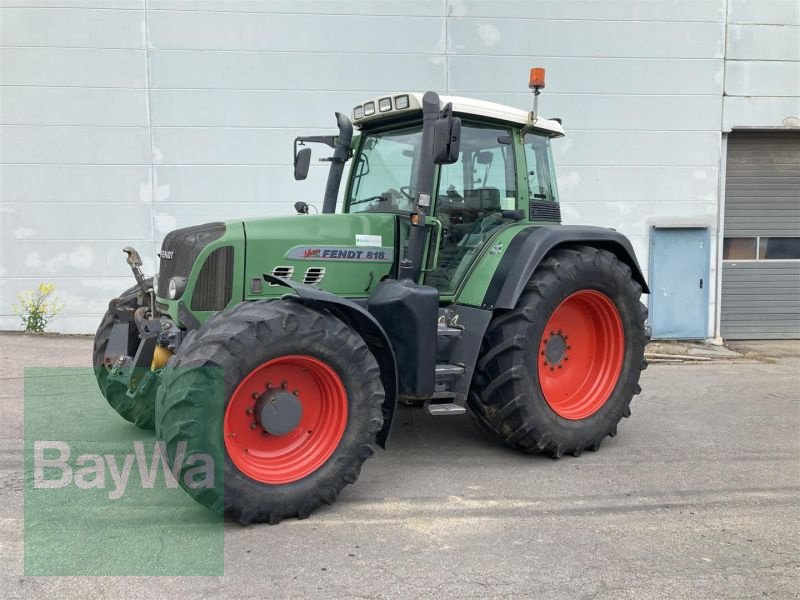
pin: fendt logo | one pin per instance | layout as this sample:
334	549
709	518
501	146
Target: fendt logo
90	470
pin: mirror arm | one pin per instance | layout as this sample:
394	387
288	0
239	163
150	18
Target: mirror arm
328	140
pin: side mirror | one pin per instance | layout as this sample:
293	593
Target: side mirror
446	140
302	160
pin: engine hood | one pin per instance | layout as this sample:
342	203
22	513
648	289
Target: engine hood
346	254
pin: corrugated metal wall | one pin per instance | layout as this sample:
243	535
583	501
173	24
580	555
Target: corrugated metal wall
123	119
761	298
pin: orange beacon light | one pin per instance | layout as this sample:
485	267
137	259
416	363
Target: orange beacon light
537	78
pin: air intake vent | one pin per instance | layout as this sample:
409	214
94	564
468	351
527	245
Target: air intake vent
314	275
283	273
545	211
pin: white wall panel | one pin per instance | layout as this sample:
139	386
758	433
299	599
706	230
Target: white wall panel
70	258
632	184
623	112
762	78
226	146
637	217
72	27
169	215
262	185
252	108
295	71
295	33
775	12
25	105
64	221
481	74
106	184
593	10
343	7
761	112
76	67
530	37
121	4
763	42
74	145
638	148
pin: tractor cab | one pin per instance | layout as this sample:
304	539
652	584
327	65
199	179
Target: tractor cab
501	173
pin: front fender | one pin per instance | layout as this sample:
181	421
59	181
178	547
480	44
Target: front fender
367	327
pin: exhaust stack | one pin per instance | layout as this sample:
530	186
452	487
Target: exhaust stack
341	152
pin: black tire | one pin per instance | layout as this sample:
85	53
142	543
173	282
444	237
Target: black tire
507	399
139	411
238	341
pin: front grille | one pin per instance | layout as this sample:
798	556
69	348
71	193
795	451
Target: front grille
214	285
181	248
545	211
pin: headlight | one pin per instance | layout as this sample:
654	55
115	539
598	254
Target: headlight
369	109
358	112
176	287
384	104
401	102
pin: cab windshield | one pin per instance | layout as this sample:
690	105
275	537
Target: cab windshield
385	171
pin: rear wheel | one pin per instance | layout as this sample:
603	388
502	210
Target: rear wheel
296	410
139	410
557	373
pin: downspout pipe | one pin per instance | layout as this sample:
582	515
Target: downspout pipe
341	153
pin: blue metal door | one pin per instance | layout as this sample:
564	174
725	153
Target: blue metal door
679	261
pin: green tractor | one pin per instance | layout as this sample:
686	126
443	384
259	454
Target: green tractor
270	354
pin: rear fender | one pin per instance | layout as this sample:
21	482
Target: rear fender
368	328
530	246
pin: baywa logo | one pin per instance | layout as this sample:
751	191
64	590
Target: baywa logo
52	468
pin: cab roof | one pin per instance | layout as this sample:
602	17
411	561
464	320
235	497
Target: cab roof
461	105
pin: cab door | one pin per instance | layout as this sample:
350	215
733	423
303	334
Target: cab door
472	194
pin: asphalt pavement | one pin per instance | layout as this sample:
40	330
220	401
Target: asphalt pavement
696	497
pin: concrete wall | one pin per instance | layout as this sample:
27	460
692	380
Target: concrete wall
123	119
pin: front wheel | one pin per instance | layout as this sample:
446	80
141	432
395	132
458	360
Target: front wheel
284	399
557	373
138	410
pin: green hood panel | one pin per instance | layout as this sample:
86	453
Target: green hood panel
350	252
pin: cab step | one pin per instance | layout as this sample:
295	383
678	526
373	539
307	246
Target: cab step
445	330
445	370
445	410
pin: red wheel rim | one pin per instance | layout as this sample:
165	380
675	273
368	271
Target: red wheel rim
294	455
580	354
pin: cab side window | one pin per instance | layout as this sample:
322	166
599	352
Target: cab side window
541	174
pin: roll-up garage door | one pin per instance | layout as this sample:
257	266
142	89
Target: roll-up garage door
761	249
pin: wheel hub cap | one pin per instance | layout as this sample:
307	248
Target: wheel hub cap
555	348
278	412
